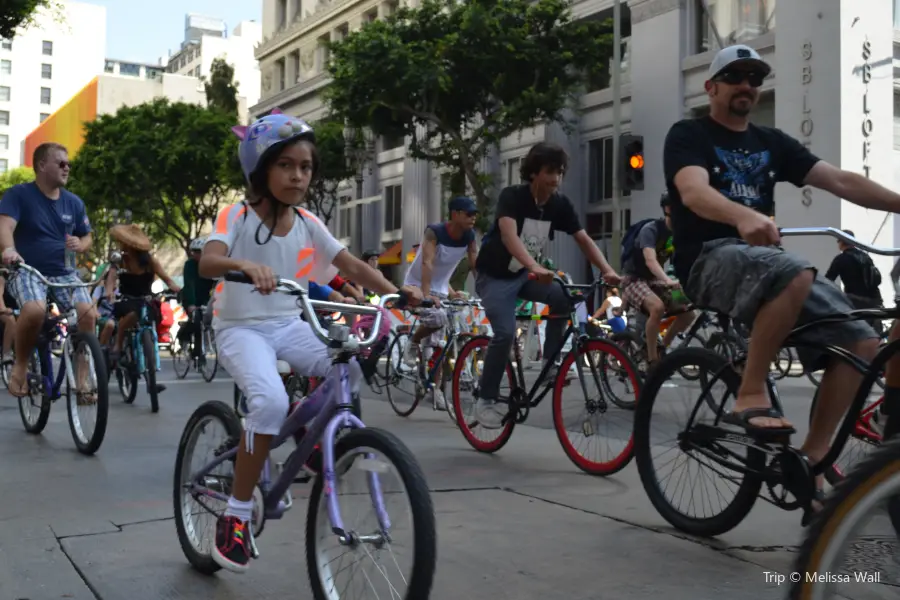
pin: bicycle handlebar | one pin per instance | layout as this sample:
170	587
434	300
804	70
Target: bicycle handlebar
840	235
15	266
309	308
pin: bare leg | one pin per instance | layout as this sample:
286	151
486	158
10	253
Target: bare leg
770	328
681	323
655	310
31	319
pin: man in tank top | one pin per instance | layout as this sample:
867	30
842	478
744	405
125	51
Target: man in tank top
443	247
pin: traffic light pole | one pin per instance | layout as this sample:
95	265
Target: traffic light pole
613	253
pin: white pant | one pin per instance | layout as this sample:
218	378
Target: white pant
249	354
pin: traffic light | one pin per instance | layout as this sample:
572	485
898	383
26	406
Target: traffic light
631	162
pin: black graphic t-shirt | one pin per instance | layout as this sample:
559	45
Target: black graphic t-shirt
654	235
534	225
743	166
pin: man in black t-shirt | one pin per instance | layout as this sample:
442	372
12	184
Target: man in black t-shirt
526	217
647	287
860	277
720	172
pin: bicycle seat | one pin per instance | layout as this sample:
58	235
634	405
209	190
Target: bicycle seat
283	368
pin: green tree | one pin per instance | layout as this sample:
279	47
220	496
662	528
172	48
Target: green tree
21	13
333	169
468	74
15	177
168	163
221	89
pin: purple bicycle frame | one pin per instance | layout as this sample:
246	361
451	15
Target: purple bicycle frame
329	412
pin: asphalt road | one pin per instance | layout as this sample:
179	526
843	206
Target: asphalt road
521	524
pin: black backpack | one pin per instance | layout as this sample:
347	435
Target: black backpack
630	238
871	276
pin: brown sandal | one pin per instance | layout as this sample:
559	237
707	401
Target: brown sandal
19	391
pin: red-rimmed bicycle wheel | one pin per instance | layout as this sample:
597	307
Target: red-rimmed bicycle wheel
597	409
464	376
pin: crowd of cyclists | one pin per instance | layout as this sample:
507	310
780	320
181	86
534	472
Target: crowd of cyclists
714	247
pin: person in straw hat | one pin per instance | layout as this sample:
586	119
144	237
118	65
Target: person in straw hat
134	273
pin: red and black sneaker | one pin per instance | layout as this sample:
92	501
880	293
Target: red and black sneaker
232	549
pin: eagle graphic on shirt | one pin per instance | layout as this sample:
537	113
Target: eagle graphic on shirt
743	176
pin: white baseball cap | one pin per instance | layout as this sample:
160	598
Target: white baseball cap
738	54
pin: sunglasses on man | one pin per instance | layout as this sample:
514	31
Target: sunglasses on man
737	77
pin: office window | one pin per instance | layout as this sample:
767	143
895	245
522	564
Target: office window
393	217
48	48
344	217
6	44
512	172
4	93
129	69
4	117
5	67
45	95
44	116
46	71
4	165
600	225
4	141
602	162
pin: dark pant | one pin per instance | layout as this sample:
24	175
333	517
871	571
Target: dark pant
193	327
498	297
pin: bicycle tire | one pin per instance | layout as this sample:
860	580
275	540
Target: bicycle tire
36	365
423	519
220	411
702	339
621	460
184	352
465	427
750	485
148	345
127	372
845	502
393	371
90	446
215	367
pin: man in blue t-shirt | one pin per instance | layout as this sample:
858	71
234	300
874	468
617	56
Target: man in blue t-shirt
40	223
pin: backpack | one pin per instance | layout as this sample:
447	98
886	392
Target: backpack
630	238
871	276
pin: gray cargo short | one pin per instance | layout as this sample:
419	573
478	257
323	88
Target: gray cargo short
736	279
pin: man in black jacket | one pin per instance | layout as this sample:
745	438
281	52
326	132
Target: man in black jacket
860	277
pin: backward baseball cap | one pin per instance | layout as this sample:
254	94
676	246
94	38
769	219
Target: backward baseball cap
738	54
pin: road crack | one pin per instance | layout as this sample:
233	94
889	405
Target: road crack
81	574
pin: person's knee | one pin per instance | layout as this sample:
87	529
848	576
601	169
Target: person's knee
800	286
654	307
32	311
268	407
866	349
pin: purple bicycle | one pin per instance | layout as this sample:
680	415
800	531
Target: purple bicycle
318	420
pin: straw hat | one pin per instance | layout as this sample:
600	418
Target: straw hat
131	236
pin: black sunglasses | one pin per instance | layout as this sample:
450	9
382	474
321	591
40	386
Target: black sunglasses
753	78
64	164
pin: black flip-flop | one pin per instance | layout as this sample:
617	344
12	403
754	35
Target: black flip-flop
742	419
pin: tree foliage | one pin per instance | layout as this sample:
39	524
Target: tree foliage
21	13
168	163
333	169
468	74
221	89
15	177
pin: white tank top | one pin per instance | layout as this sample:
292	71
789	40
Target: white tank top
448	254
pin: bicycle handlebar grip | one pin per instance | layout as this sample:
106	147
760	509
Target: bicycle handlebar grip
237	277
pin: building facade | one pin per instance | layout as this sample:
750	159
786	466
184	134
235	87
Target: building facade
42	67
832	87
205	39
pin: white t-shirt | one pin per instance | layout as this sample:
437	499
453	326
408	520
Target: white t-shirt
614	303
447	255
304	254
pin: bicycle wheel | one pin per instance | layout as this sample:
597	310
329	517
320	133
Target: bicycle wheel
596	413
403	402
748	486
354	448
181	358
464	404
196	545
209	367
35	407
150	352
85	350
126	373
871	485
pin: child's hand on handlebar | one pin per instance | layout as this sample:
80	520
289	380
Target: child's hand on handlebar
263	277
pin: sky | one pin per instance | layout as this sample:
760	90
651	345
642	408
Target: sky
144	31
